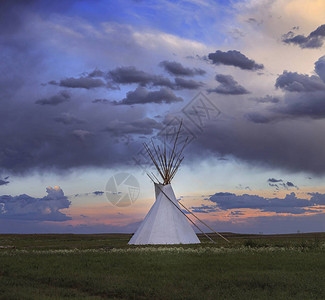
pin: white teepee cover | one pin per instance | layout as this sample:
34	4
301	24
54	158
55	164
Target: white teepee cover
164	223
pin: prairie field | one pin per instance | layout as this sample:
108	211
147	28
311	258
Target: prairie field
103	266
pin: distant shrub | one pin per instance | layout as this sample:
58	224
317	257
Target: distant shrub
251	243
254	244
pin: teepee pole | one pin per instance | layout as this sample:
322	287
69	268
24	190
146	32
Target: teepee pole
158	157
163	163
155	177
153	159
203	222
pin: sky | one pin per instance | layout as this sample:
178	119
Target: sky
84	83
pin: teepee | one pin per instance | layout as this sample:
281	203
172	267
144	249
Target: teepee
165	223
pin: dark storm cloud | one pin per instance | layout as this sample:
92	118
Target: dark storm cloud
228	86
34	139
52	136
145	127
295	82
125	75
11	15
129	75
59	98
45	138
289	204
19	56
320	68
181	83
304	97
234	58
289	145
164	82
257	118
304	105
177	69
143	96
24	207
314	40
81	82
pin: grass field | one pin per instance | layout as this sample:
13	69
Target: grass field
103	266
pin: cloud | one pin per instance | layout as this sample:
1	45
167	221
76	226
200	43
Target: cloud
81	134
98	193
24	207
294	82
236	213
274	180
320	68
81	82
304	105
289	183
267	99
130	75
143	96
304	97
4	181
97	73
175	68
268	145
234	58
68	119
228	86
59	98
181	83
317	198
34	139
145	126
280	184
289	204
204	209
102	101
314	40
257	118
42	140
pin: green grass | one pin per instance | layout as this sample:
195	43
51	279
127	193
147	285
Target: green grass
104	267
